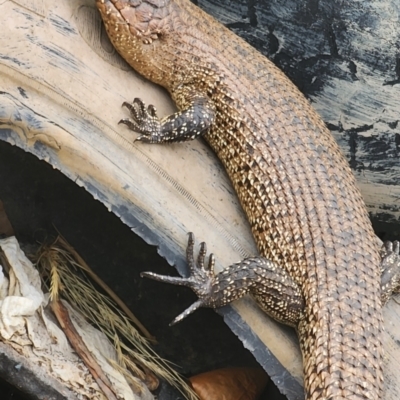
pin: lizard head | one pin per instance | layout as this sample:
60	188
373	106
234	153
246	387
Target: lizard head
142	20
157	37
136	29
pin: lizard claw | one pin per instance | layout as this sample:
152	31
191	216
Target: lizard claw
199	303
145	139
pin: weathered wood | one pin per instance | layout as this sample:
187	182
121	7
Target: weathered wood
61	88
30	378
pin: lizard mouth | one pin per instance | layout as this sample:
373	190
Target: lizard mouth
109	12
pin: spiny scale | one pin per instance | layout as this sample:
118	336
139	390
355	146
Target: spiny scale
299	194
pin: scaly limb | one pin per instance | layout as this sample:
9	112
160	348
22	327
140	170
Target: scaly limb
276	292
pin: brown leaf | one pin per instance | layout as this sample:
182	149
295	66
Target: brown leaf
230	384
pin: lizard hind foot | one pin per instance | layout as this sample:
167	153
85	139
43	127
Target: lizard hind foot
143	120
201	278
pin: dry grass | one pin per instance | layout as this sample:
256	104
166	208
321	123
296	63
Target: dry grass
66	275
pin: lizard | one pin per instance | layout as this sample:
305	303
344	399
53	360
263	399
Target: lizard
320	267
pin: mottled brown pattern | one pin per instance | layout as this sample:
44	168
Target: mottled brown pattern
298	191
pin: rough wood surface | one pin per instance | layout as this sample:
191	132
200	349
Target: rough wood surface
61	88
29	378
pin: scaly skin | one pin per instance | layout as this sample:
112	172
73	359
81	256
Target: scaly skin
300	196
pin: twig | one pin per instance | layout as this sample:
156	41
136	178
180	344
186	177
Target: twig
106	288
79	346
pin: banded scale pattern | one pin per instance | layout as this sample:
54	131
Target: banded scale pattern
299	194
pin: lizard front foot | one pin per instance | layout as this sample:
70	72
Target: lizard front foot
143	120
187	124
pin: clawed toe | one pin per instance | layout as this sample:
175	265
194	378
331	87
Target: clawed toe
391	248
199	276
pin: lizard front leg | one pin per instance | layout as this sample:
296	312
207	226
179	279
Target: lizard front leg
195	118
275	291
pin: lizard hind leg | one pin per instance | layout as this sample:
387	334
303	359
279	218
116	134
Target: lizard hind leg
390	270
275	291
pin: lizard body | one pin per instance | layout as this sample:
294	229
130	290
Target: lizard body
320	269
